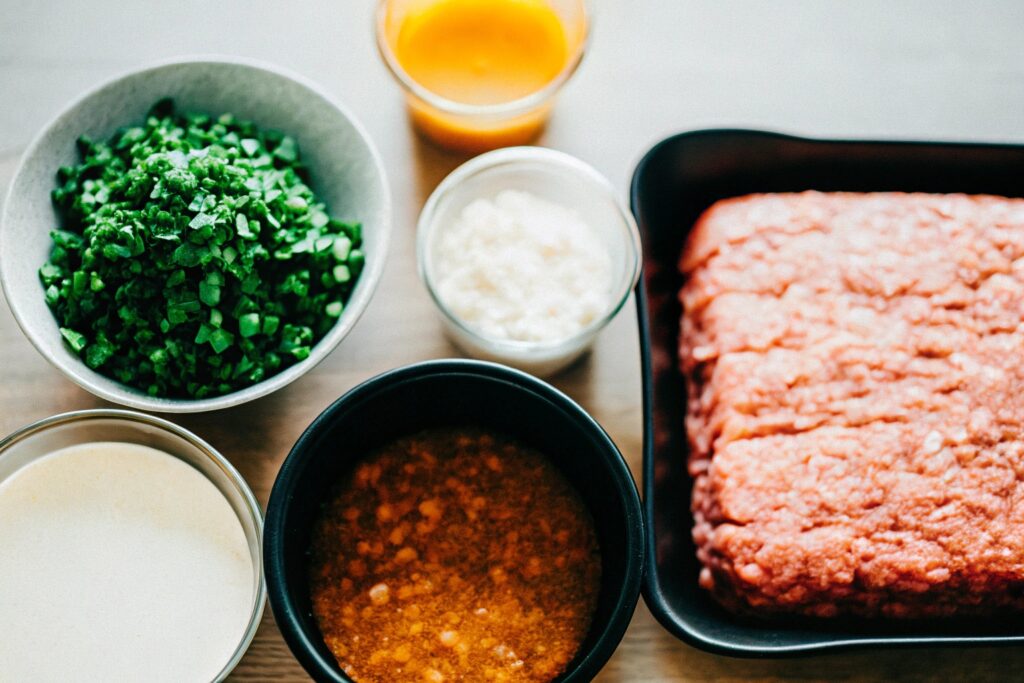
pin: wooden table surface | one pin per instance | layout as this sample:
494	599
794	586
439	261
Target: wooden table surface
926	70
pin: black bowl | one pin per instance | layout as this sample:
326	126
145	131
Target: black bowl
453	393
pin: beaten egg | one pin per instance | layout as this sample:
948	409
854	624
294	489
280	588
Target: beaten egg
483	51
481	61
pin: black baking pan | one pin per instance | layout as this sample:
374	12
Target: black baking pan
673	184
454	393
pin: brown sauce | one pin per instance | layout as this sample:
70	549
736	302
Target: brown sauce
454	555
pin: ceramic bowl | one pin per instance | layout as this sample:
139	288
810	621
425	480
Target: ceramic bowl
345	170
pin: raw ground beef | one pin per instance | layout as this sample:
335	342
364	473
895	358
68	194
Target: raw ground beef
856	407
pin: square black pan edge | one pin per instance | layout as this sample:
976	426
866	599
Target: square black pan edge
673	183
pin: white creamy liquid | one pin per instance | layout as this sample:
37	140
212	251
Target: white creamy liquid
118	562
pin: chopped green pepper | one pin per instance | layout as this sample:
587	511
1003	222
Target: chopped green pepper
193	259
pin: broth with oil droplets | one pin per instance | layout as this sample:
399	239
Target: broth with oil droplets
454	555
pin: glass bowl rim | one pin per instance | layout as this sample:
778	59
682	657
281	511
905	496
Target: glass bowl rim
501	110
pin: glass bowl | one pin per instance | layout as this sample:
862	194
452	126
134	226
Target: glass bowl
68	429
478	128
556	177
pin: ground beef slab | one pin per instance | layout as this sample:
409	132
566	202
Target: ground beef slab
855	366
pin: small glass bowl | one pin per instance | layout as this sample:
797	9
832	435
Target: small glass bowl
85	426
560	179
478	128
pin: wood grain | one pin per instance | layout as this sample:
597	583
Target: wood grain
869	69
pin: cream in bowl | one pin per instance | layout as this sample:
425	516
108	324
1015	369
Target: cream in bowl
528	255
130	546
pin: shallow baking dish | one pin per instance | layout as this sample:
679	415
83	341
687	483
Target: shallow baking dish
678	179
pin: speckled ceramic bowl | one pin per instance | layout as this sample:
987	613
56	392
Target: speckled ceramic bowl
345	170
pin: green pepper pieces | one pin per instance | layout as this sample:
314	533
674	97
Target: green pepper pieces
193	259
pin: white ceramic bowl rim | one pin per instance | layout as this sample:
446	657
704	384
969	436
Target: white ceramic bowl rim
368	279
511	156
222	463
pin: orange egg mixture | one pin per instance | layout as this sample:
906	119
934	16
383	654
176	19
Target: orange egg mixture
483	51
454	555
